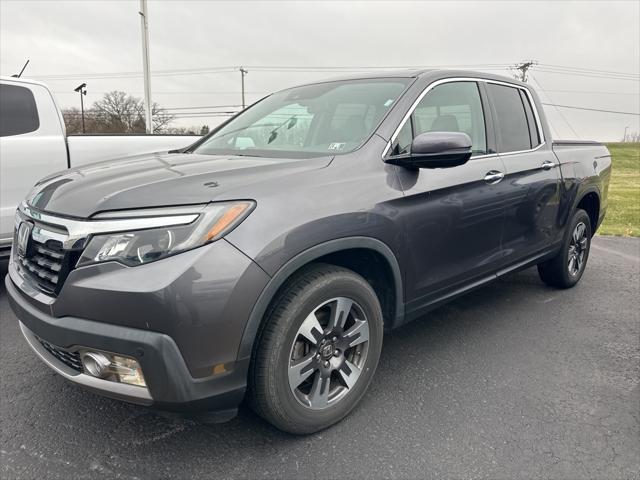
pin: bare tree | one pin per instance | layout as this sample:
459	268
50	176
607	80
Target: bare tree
161	119
72	120
117	112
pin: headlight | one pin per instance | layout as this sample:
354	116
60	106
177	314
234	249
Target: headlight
135	247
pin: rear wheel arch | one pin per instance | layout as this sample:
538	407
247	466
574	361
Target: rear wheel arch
590	203
345	252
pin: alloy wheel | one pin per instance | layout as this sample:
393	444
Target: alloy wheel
328	353
577	249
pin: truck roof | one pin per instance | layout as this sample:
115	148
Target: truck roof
4	78
415	73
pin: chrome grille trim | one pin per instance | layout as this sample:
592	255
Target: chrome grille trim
56	242
80	230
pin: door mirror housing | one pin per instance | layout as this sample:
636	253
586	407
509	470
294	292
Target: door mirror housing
436	150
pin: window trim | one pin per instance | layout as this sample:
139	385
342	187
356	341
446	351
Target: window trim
432	85
533	133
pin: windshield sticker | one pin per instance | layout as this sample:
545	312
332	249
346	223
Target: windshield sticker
336	146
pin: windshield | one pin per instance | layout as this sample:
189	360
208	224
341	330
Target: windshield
312	120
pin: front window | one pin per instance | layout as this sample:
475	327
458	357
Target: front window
453	107
450	107
312	120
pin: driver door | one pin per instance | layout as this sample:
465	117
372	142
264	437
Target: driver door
454	216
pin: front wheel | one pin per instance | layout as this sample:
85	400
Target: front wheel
566	268
318	350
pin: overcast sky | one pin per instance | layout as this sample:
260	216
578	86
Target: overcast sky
70	42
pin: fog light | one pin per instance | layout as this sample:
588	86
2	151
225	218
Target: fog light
112	367
127	370
96	364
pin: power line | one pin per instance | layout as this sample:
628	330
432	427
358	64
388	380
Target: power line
155	92
265	68
598	92
557	110
588	70
592	109
551	68
209	106
588	75
140	114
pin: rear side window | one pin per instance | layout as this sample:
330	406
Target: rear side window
533	127
511	123
18	111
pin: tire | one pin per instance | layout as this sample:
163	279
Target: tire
561	271
291	337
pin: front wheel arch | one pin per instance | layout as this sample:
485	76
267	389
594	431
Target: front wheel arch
307	257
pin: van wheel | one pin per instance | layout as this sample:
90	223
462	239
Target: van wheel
566	268
317	351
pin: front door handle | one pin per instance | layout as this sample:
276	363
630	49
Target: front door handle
494	176
548	165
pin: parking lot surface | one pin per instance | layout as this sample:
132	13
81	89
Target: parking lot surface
515	380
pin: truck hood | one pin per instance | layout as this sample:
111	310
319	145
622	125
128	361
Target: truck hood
161	179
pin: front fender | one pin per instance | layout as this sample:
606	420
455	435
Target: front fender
306	257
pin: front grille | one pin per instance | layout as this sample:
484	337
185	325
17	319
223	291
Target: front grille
40	252
44	264
70	359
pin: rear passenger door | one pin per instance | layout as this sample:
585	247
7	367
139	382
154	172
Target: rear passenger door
532	180
453	216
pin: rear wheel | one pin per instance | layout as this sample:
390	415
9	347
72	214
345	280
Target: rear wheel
318	350
566	268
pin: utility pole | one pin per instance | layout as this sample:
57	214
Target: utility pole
243	72
522	68
82	90
624	139
145	65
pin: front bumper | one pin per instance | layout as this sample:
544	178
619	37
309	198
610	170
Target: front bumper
170	385
120	391
181	318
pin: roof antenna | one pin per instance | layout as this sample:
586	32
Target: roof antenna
20	74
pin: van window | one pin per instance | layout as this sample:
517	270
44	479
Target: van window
511	123
18	111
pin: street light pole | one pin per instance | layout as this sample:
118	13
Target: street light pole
145	64
243	72
82	90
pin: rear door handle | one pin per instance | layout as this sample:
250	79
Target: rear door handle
494	176
548	165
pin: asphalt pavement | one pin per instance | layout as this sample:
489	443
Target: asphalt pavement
515	380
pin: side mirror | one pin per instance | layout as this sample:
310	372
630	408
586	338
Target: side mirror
437	150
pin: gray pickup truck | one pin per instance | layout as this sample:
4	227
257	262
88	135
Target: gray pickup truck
267	260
